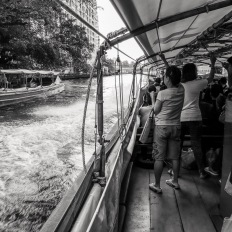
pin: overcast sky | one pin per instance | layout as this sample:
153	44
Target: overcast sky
110	21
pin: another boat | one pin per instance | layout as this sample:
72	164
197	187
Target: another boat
21	85
185	31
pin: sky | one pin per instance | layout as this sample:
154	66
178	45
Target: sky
110	21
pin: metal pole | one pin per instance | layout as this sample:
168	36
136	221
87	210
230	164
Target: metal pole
100	110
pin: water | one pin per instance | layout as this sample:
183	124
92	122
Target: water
40	144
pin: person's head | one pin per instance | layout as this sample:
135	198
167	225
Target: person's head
215	90
189	72
172	76
157	81
223	81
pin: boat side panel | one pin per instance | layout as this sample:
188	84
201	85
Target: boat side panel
13	97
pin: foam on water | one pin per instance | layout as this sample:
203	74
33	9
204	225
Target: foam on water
41	152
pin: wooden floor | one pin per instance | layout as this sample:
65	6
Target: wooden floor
193	208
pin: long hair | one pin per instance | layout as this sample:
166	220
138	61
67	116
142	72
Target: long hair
189	72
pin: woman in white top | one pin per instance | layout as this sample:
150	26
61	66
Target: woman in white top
191	119
167	110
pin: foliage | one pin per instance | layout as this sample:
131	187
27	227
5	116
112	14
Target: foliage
36	34
110	63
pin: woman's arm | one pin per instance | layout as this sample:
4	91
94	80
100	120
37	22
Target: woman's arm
157	105
212	71
164	60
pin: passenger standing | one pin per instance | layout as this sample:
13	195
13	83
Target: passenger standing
191	118
167	110
228	67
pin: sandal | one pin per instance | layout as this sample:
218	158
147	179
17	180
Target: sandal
154	188
173	185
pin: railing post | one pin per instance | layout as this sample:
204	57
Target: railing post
100	114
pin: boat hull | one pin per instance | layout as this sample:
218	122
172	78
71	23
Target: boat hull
11	97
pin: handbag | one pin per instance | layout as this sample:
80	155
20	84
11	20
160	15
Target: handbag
228	186
188	159
147	128
227	224
222	117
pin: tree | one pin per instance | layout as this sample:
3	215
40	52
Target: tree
73	40
125	63
31	36
110	63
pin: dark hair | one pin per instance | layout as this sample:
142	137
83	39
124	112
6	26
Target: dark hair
174	74
189	72
215	90
223	80
157	80
230	60
151	88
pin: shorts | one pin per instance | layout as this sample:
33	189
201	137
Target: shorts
167	139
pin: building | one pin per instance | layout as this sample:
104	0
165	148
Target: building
88	11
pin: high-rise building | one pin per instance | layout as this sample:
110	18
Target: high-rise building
88	11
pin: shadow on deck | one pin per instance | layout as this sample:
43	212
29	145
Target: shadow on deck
193	208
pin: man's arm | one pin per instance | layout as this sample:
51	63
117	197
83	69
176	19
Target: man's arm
164	60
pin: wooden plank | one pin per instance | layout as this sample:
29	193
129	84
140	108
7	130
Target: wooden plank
194	215
164	211
138	212
209	190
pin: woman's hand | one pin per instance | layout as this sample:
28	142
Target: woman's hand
213	60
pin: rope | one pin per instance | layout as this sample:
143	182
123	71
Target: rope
121	124
84	117
116	92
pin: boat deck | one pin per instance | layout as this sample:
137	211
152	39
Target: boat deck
193	208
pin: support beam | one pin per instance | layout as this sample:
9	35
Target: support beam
204	35
164	51
171	19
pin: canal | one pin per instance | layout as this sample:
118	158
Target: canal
40	144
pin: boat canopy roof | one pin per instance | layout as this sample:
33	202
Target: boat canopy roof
188	30
25	71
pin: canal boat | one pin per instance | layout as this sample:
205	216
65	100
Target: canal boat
112	193
21	85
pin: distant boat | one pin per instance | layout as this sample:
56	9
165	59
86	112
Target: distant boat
21	85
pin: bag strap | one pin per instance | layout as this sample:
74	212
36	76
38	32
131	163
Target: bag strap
151	115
